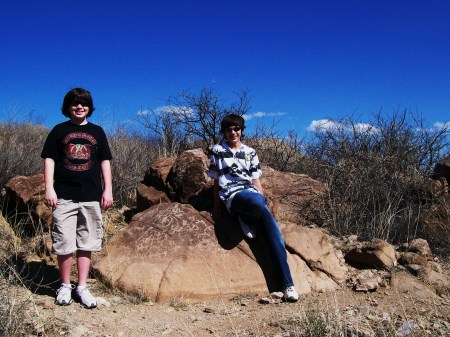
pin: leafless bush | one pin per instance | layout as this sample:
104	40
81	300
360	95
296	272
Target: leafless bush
376	174
132	154
279	151
166	131
20	149
200	114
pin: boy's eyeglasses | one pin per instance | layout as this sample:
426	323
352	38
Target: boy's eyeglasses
233	128
82	103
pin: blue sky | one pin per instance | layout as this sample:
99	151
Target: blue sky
302	61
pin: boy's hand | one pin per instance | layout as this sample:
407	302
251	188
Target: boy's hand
107	200
51	200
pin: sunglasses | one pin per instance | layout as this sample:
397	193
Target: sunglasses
233	128
82	103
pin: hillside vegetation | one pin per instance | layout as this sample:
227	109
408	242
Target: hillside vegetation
378	176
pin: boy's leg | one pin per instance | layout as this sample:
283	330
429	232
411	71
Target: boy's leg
268	227
63	236
251	207
83	265
89	239
248	205
65	267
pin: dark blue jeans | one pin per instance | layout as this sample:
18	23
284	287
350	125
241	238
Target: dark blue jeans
252	209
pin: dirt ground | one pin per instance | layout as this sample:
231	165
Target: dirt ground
340	313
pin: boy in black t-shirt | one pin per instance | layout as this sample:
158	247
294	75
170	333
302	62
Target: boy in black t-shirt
76	157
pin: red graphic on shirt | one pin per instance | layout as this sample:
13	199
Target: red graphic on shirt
78	151
78	156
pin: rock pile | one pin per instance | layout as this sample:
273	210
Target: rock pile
173	249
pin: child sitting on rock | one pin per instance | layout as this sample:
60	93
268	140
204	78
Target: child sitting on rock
235	169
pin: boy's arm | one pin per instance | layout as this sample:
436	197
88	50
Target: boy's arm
217	211
50	198
258	185
107	196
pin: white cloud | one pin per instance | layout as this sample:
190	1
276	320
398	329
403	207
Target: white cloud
167	109
323	125
326	124
366	128
442	126
261	114
143	112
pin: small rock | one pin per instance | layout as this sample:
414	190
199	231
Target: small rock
209	310
265	300
277	294
101	302
45	303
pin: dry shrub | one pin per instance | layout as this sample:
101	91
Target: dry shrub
377	174
276	149
132	154
436	224
20	149
13	302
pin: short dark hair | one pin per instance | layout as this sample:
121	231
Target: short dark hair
232	120
75	96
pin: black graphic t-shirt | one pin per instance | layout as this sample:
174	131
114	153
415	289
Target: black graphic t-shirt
77	151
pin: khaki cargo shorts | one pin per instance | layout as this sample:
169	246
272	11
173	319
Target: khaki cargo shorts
76	226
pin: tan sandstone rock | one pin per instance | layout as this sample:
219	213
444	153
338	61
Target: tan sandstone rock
148	196
405	283
295	196
314	247
188	177
158	172
9	241
171	251
376	253
292	197
25	197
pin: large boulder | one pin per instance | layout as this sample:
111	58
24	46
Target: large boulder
8	239
172	250
376	253
25	203
188	177
158	172
148	196
292	197
295	197
405	283
315	248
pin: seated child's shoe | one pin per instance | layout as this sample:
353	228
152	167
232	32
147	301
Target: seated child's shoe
64	294
86	297
249	231
290	294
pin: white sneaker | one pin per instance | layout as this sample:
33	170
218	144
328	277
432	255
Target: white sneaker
290	294
64	294
249	231
86	297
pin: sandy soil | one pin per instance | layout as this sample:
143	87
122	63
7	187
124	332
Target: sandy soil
381	313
